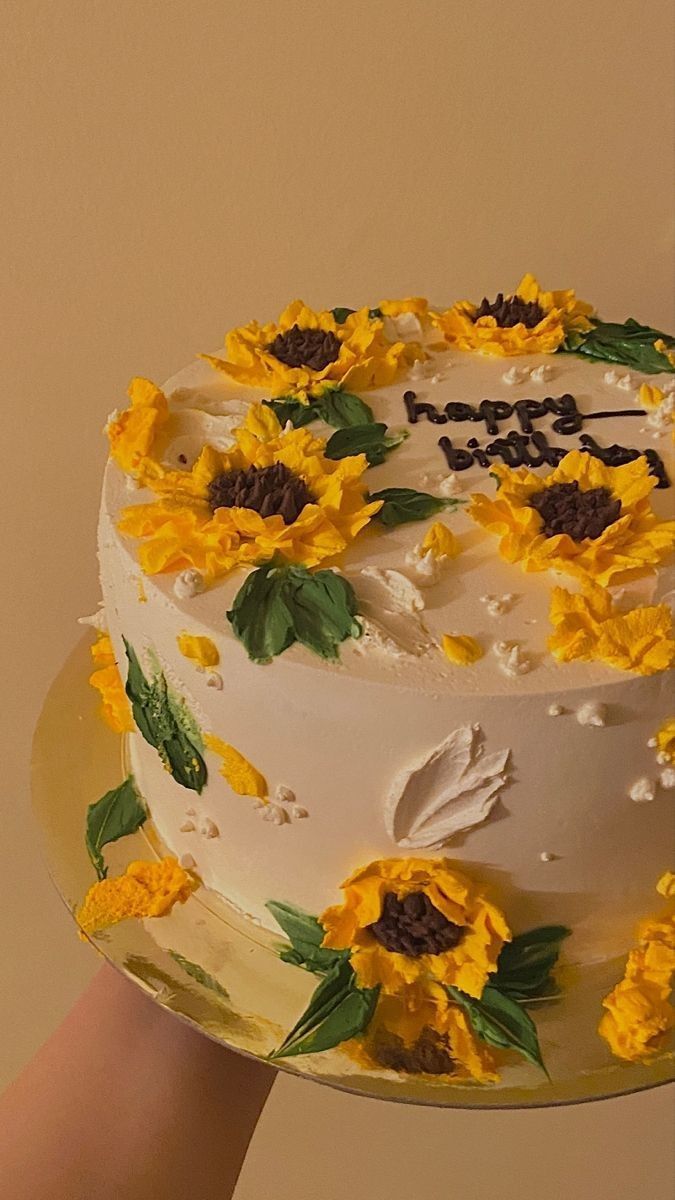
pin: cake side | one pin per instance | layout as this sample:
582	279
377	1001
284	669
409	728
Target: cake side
361	635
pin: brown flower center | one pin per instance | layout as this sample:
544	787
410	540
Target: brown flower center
564	508
413	926
270	491
313	348
511	311
430	1053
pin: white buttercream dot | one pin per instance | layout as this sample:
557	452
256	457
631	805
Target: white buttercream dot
542	372
189	583
498	605
298	813
427	567
284	795
214	680
513	661
555	710
611	376
592	713
94	620
187	826
449	487
667	778
546	856
514	375
187	862
643	791
275	814
625	383
209	829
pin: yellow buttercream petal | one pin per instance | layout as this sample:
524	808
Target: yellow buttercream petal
115	708
199	649
461	649
440	541
146	889
241	775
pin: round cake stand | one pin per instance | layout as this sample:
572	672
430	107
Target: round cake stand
221	973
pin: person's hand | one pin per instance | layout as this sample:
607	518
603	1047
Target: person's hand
124	1102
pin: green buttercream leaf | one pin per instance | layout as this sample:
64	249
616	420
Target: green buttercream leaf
341	314
628	343
278	605
525	964
287	409
342	409
499	1021
164	722
305	935
118	813
405	504
371	440
337	1011
198	973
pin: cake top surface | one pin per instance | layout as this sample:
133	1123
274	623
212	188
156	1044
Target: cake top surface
495	517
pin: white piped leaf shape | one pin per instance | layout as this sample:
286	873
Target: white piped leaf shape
446	792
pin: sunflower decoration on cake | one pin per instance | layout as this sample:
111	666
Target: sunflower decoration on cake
305	352
420	973
404	920
273	494
585	519
528	321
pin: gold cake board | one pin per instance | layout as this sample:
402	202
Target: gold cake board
76	759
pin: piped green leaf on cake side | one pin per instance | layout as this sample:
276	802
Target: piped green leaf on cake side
402	505
526	964
338	1010
164	722
279	604
118	813
627	343
501	1022
305	935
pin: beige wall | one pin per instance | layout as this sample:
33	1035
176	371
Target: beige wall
170	167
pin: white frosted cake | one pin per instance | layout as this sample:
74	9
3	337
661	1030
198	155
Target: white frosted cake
399	578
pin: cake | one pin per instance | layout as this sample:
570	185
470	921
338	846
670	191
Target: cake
387	607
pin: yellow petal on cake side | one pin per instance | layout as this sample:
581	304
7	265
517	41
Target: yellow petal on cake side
241	775
306	351
530	321
115	708
146	889
461	649
456	912
584	519
588	628
665	740
639	1012
199	649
